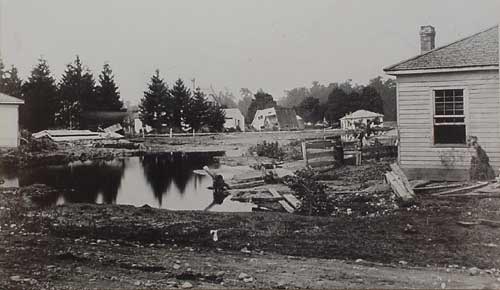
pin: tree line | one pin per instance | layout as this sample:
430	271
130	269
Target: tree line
178	108
52	104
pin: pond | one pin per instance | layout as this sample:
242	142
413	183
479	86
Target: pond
161	181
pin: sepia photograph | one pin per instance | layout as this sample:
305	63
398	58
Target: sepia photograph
250	144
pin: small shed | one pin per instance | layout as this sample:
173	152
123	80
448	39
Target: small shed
234	120
350	121
9	120
444	96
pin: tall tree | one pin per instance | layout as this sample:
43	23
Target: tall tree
387	90
39	92
310	110
76	94
246	100
10	83
180	96
156	106
337	105
262	100
107	94
294	97
215	118
198	110
371	100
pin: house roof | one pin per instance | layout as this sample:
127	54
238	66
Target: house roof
361	114
480	49
6	99
233	112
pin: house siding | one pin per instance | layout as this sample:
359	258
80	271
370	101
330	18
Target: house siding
417	154
9	128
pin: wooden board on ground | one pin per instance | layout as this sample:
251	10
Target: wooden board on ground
292	200
461	190
402	177
250	184
398	187
283	203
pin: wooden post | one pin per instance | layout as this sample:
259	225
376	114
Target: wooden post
170	132
304	152
193	132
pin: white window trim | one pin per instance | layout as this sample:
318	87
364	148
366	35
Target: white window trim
466	115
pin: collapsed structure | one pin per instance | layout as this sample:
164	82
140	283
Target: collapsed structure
277	118
445	95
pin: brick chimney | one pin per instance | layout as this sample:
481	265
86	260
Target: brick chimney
427	38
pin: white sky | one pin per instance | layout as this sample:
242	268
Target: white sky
269	44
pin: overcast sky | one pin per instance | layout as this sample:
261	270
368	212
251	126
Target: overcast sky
270	44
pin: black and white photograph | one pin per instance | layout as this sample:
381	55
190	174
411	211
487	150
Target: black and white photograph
249	144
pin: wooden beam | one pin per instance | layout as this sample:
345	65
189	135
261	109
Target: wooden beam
398	187
283	203
401	176
320	154
292	200
247	184
461	190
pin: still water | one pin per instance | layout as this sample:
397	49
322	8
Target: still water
160	181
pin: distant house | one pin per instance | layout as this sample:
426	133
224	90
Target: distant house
350	121
234	120
276	119
446	94
9	120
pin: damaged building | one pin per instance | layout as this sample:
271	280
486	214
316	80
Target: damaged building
444	96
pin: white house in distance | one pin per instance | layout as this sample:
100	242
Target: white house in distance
349	121
277	118
444	95
234	119
9	120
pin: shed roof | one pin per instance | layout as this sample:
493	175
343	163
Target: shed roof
361	114
287	117
480	49
6	99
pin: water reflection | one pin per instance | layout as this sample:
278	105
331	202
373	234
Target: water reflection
164	181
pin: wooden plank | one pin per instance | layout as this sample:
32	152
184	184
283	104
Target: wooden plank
401	175
436	188
292	200
319	144
398	187
283	203
462	190
319	154
321	163
247	184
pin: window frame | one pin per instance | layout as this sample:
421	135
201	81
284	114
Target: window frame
465	115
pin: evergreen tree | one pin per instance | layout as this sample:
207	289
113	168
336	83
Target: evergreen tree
76	94
337	105
107	94
39	92
261	101
371	100
10	83
310	110
181	95
197	111
215	118
155	108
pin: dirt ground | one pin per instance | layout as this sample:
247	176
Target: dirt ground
123	247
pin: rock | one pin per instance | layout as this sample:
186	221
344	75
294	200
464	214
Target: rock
245	250
248	280
220	273
243	276
177	266
359	261
15	278
443	285
137	283
474	271
281	284
403	263
186	285
114	278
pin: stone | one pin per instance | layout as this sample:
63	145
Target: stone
15	278
248	280
474	271
137	283
403	263
186	285
177	266
243	276
220	273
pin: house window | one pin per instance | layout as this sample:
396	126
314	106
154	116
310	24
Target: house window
449	117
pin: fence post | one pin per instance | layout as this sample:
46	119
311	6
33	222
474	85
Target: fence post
170	132
304	152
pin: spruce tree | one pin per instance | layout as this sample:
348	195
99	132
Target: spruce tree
215	118
197	110
12	84
155	108
181	95
39	92
107	94
261	101
76	94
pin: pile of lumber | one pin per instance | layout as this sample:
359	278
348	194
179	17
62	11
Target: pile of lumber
400	184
